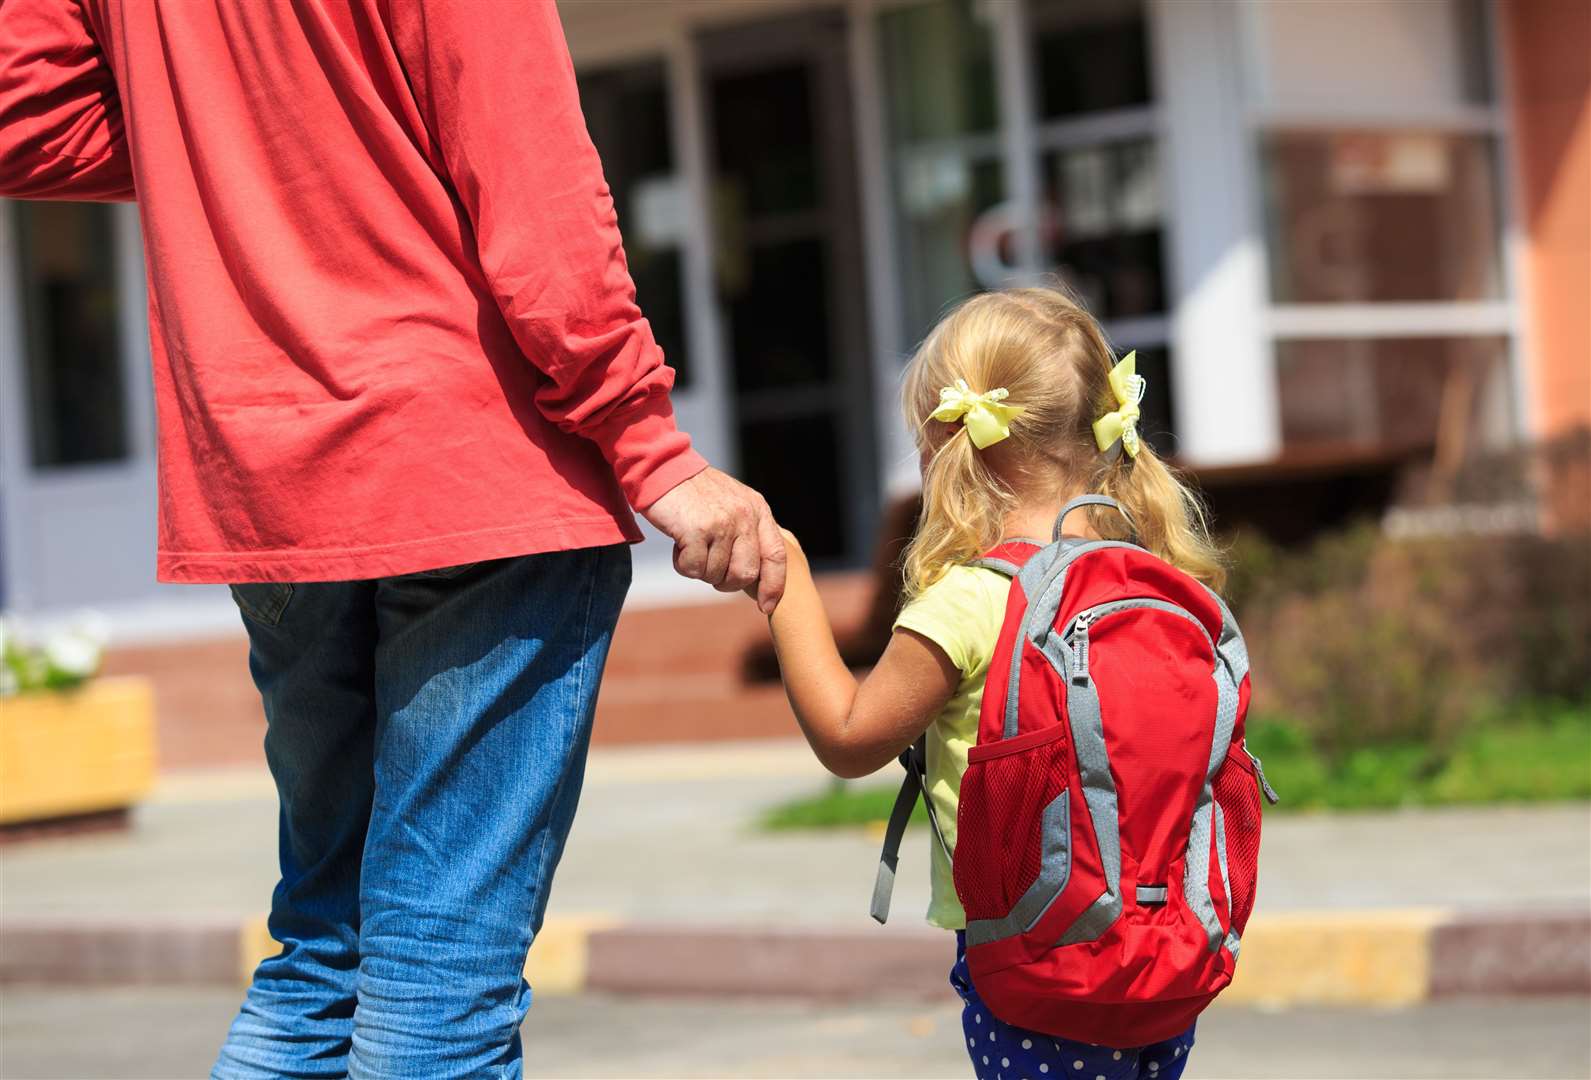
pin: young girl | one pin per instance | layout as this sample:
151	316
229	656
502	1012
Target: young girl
1015	413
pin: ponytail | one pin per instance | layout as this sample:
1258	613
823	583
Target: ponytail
1166	513
964	505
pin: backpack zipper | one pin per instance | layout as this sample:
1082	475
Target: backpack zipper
1076	633
1259	771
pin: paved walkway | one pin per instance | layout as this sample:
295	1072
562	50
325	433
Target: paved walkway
132	1033
668	834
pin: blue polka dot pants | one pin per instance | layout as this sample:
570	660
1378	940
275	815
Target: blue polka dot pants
1002	1052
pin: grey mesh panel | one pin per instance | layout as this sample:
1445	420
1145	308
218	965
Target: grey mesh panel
1231	665
1094	921
1196	885
1099	793
1196	876
1037	568
1231	648
1220	855
1054	869
1099	787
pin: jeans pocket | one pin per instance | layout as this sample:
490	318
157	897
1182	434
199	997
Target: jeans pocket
444	573
263	601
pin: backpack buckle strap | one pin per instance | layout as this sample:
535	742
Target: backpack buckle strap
913	787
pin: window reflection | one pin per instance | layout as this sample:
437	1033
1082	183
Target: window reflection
939	71
1393	393
1090	55
1381	216
627	115
939	74
76	394
1107	226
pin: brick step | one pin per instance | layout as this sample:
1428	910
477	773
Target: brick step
686	710
674	674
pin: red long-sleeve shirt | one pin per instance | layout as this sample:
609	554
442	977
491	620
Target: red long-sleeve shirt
392	324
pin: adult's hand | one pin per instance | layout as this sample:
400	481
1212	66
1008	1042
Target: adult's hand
724	534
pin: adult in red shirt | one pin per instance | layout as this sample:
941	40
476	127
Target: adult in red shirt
405	402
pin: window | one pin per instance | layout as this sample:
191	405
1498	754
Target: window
73	345
1381	216
627	114
1094	165
1105	200
1089	56
1392	393
946	155
1099	171
1383	223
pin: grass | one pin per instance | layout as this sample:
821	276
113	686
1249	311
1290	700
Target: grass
1540	752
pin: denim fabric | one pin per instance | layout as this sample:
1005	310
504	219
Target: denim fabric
1000	1051
428	736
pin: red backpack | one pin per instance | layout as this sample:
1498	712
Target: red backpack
1109	822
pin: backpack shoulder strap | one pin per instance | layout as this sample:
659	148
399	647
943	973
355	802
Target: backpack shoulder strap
1008	557
914	787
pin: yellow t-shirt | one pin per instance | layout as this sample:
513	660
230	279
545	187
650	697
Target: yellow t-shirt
961	613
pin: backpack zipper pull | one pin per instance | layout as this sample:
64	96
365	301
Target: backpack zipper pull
1259	770
1080	648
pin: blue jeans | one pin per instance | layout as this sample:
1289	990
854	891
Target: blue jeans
427	735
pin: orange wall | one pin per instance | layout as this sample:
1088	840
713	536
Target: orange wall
1549	61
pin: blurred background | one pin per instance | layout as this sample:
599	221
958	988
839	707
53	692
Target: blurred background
1351	243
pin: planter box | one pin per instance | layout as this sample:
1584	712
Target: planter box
76	752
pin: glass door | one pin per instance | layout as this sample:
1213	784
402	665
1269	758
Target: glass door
77	482
789	278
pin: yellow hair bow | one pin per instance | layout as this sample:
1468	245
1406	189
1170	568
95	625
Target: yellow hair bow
1122	422
987	417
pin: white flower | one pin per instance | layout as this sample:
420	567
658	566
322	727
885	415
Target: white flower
92	626
73	654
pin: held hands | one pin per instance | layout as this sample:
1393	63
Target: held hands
798	573
724	534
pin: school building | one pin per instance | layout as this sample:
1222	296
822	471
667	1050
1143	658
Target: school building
1336	231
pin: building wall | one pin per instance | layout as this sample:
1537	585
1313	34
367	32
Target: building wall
1549	60
1289	208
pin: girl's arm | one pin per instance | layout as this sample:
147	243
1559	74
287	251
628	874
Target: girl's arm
854	729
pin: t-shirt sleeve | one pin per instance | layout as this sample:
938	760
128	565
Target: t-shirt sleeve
61	131
959	614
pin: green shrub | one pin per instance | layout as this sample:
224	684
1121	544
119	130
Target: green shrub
1367	641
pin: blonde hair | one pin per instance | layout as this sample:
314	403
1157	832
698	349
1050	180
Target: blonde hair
1054	359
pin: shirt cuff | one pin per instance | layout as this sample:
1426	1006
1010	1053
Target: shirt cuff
650	455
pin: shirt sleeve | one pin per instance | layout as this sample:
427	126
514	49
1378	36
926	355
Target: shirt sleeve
961	615
496	88
61	133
